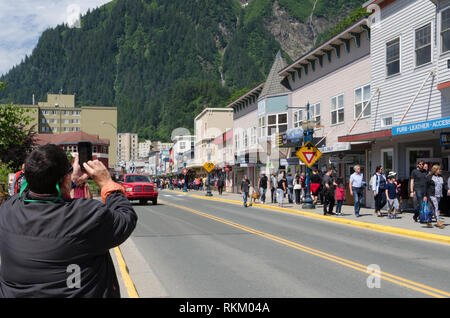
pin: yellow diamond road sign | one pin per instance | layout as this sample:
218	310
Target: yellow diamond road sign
209	166
309	154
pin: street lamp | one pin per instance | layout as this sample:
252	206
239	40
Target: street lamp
208	192
308	132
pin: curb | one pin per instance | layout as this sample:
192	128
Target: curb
370	226
131	289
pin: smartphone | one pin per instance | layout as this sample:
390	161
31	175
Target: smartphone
84	152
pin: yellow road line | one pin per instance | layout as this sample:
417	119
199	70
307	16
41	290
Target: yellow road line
366	225
174	191
348	263
129	285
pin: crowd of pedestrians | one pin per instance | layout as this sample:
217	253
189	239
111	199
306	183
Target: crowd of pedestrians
428	187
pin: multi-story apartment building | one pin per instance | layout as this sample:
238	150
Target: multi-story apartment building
127	147
144	148
59	115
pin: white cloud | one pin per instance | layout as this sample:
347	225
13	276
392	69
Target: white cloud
23	21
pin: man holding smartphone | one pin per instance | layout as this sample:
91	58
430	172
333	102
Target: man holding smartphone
46	238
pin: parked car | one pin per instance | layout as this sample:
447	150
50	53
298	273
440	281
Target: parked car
139	187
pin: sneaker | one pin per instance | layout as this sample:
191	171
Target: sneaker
440	225
415	219
357	215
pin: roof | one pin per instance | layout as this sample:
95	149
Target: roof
273	84
69	138
226	110
312	55
254	92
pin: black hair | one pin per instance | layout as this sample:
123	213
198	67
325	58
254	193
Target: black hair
45	167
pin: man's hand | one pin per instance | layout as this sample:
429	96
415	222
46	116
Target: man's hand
78	176
97	170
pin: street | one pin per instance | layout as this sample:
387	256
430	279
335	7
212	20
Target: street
201	248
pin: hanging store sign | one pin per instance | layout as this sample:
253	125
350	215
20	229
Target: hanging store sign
422	126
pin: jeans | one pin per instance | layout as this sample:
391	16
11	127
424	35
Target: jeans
357	195
297	195
339	206
291	194
280	196
328	200
263	194
273	195
244	196
419	196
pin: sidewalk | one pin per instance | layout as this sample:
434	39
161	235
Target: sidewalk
367	216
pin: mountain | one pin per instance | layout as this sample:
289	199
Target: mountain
162	61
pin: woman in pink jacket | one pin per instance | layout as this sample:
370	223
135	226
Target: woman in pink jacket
339	195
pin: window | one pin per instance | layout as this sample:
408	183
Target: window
54	129
387	156
337	109
245	138
45	112
314	112
387	121
362	97
423	45
54	121
182	145
44	121
276	124
445	30
66	121
298	118
75	121
53	112
262	127
253	136
393	57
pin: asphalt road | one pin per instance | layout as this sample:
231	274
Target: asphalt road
201	248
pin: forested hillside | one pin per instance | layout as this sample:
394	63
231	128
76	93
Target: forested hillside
162	61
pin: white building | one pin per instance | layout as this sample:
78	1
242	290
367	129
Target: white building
144	148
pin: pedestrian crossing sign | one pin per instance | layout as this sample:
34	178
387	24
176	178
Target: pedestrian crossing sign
209	166
309	154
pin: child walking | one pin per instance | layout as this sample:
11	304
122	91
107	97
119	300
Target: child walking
339	195
391	195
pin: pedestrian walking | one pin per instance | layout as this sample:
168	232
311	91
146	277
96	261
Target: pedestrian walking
356	187
297	188
434	190
245	189
340	196
281	188
417	187
220	183
328	192
316	181
262	186
290	184
378	188
392	197
54	246
273	187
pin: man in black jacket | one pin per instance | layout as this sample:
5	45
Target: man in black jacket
54	246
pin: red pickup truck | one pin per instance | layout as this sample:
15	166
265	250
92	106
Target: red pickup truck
139	187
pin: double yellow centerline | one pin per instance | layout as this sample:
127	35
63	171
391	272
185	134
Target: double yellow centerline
339	260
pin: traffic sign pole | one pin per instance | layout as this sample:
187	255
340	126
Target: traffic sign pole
308	137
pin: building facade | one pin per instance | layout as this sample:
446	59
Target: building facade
59	115
127	147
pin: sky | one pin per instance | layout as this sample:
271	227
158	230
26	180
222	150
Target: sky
23	21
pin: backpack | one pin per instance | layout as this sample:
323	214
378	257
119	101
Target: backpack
371	182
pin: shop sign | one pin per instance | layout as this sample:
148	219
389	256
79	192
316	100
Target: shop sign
290	162
295	135
422	126
338	159
340	146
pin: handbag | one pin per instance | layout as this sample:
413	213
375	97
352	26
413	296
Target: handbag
425	213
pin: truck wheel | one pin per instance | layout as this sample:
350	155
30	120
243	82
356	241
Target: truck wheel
155	201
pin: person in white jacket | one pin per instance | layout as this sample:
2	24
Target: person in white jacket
378	187
297	188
